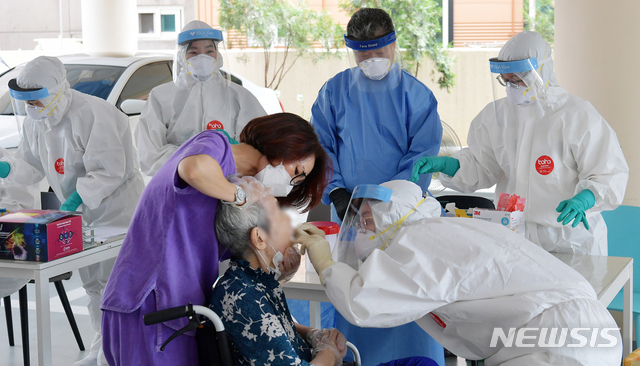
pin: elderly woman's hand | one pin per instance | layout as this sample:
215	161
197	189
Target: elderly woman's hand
328	339
253	189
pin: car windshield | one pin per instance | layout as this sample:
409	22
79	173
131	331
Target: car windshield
97	80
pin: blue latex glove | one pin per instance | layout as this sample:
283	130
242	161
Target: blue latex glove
231	141
574	208
434	164
5	168
72	203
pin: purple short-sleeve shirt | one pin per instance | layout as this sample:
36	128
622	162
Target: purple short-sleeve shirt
171	246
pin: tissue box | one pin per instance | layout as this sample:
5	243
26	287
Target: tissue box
514	221
40	235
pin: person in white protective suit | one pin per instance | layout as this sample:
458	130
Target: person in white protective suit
479	289
540	142
84	147
198	99
15	198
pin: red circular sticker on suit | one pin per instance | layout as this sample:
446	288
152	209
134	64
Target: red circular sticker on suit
60	166
215	125
544	165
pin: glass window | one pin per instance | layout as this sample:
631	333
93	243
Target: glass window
145	79
146	22
96	80
168	23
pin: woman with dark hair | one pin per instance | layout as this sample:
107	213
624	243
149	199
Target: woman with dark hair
170	254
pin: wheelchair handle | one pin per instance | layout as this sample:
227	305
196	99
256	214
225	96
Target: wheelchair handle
166	315
356	353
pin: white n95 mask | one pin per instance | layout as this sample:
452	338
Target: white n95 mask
202	66
34	112
520	96
375	68
276	178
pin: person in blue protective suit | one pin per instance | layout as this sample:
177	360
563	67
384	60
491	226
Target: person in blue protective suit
375	121
540	142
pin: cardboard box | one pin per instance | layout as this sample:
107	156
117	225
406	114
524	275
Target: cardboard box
40	235
514	221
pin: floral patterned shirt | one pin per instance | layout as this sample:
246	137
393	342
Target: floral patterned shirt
255	314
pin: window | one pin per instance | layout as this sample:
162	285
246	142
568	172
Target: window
144	79
159	22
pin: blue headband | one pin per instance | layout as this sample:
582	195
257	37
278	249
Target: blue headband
202	33
373	191
29	95
510	67
370	45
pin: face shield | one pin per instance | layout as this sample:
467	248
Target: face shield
376	60
197	56
19	98
358	224
518	81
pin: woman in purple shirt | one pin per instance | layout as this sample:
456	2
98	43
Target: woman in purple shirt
170	255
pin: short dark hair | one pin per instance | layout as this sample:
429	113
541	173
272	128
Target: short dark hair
290	138
369	23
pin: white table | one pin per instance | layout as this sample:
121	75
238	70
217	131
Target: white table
41	272
607	275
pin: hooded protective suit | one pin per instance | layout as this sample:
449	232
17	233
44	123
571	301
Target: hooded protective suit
82	144
177	111
516	146
459	279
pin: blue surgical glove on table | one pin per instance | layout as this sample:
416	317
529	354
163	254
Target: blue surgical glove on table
5	168
72	203
435	164
573	209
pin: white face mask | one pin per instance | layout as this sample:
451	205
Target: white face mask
277	259
364	246
520	96
34	112
202	66
277	178
375	68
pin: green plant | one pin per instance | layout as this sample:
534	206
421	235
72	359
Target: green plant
417	24
543	22
292	27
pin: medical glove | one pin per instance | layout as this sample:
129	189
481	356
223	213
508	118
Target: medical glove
289	265
331	339
72	203
316	246
231	141
340	198
253	189
573	209
5	168
435	164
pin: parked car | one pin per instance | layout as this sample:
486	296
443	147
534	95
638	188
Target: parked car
122	81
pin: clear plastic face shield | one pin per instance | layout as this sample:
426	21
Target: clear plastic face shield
375	60
25	103
197	56
353	244
518	81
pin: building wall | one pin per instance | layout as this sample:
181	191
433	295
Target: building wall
489	21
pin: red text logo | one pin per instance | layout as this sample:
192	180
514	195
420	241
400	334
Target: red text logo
215	125
544	165
60	166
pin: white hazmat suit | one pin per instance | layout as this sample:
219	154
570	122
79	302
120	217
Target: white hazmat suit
82	144
507	144
177	111
467	282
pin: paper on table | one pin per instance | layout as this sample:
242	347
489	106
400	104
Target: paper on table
107	234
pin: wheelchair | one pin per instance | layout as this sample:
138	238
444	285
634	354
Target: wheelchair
207	336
